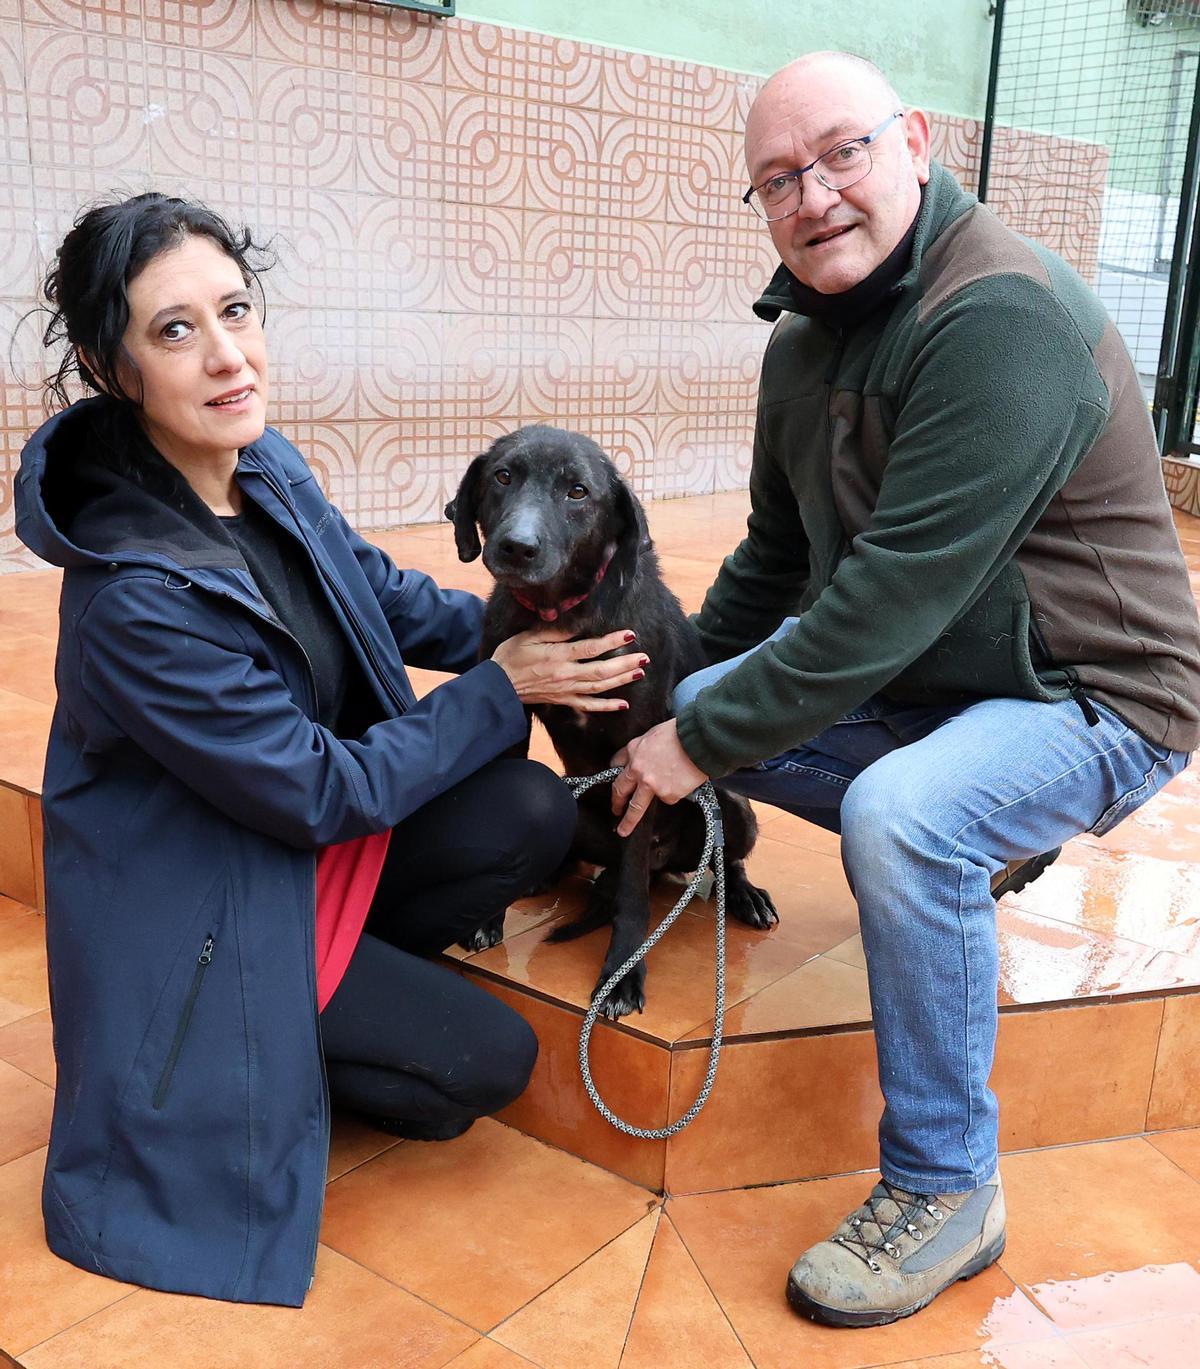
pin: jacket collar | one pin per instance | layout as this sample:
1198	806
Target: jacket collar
942	201
78	503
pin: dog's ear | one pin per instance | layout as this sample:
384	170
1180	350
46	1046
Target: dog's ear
633	537
463	511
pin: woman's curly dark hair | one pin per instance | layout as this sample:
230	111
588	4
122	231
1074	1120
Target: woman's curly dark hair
87	288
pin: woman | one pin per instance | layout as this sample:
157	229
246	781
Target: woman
239	778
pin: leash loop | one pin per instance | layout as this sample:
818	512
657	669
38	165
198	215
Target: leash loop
714	853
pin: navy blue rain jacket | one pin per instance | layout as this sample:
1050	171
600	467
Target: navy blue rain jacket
186	794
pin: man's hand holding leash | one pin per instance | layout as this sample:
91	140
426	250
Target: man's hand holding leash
654	766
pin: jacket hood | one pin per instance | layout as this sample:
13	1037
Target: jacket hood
78	503
942	201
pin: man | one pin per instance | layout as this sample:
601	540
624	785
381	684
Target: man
955	489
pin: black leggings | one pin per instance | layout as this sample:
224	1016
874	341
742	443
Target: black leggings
407	1040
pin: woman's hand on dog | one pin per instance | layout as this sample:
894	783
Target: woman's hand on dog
547	668
654	766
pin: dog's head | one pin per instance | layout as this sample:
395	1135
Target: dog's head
551	507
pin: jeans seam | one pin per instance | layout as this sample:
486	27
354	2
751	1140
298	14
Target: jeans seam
1057	779
792	769
966	1023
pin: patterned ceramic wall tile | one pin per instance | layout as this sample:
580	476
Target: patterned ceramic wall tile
561	253
87	101
484	260
306	32
400	139
17	256
307	124
314	374
475	227
212	26
397	253
512	65
697	449
402	363
311	234
484	158
20	412
14	114
200	112
400	45
120	18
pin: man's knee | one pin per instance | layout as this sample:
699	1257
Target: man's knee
886	819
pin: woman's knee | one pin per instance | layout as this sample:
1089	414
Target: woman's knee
534	813
505	1065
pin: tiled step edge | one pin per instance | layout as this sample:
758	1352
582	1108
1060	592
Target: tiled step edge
21	847
808	1106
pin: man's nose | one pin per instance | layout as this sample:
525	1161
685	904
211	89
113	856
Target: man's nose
818	199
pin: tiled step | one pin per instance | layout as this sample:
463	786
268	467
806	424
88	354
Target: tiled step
796	1095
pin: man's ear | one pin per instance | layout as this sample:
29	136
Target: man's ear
916	132
463	511
633	537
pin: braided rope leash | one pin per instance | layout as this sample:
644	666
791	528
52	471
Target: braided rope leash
714	853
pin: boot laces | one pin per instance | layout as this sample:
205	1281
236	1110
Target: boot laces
908	1206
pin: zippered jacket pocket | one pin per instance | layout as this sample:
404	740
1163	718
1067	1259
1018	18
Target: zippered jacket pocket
185	1018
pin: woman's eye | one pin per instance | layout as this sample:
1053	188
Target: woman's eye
504	476
238	310
174	331
577	492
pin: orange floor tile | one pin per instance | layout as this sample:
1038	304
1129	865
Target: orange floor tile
544	1258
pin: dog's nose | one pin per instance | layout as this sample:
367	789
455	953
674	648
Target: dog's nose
523	548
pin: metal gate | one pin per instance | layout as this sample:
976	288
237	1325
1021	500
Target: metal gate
1092	143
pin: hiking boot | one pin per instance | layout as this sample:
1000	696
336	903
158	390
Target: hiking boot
896	1253
1018	873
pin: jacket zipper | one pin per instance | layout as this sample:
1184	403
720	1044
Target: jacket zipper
360	636
1082	702
185	1019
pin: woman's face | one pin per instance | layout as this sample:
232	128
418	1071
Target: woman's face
198	343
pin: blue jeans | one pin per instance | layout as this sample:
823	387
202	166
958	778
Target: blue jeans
930	803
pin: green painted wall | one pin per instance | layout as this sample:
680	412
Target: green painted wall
934	51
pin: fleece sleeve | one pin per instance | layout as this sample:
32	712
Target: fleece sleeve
205	703
1001	400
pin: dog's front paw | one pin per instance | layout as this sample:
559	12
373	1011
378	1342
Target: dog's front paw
750	904
485	937
628	994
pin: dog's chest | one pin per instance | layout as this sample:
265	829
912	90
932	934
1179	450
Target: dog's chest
585	742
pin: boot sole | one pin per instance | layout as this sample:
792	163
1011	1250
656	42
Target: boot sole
1026	874
836	1316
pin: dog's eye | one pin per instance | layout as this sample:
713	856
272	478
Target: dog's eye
504	476
577	492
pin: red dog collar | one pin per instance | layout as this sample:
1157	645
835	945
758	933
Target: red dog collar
550	615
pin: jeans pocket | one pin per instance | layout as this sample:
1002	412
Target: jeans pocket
1166	767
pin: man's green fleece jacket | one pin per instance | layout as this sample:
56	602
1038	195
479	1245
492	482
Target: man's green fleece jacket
961	497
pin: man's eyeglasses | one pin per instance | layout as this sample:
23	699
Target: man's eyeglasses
838	169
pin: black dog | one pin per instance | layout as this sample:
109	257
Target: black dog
567	543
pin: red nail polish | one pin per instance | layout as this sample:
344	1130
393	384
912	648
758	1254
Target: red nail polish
639	675
631	636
